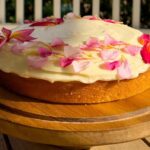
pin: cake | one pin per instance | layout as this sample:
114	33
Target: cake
75	60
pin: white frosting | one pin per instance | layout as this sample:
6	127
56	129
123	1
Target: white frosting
74	32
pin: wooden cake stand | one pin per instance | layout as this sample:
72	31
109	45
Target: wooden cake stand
75	125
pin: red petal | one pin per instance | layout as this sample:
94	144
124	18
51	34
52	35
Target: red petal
44	52
110	65
64	62
23	35
145	53
124	71
6	32
48	21
144	38
36	62
43	23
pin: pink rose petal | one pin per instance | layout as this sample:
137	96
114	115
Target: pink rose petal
28	21
79	66
110	65
6	32
132	50
23	35
5	37
2	41
18	48
124	71
57	42
111	41
109	54
44	52
42	23
48	21
70	16
144	38
70	51
145	53
64	62
36	62
110	21
93	42
91	17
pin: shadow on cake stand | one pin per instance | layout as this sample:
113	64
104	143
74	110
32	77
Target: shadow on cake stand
81	126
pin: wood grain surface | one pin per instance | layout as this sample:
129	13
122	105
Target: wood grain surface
75	125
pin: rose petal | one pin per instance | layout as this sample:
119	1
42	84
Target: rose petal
42	23
72	52
123	71
6	32
36	62
70	16
64	62
132	50
109	54
110	65
2	41
27	21
23	35
93	42
5	37
48	21
110	21
144	38
91	17
79	66
57	42
18	48
44	52
145	53
111	41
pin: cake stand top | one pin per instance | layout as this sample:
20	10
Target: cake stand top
75	125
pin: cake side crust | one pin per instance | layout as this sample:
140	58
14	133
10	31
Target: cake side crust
75	92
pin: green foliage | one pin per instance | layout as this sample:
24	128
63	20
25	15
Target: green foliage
29	9
10	10
47	8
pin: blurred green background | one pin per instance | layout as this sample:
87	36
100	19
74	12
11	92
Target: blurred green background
86	9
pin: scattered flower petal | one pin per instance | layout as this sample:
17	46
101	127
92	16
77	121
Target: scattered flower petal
70	16
110	21
48	21
91	17
72	52
79	66
23	35
28	21
110	65
42	23
36	62
145	53
64	62
5	36
44	52
6	32
3	40
124	71
132	50
144	38
109	54
18	48
92	43
111	41
57	42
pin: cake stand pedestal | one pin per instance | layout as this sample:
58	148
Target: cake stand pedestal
68	125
